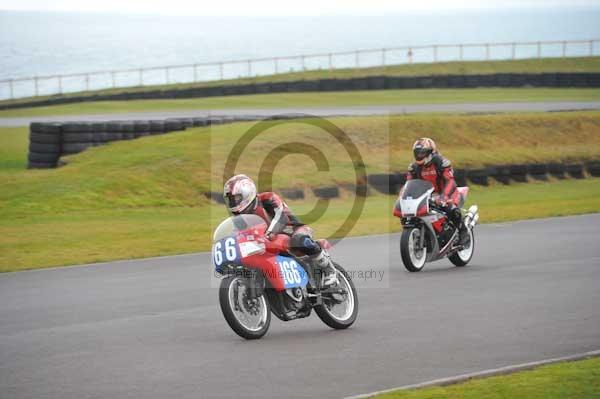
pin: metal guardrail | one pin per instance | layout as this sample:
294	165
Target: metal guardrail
248	68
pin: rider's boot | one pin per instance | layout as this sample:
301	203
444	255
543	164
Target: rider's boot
458	221
463	234
323	262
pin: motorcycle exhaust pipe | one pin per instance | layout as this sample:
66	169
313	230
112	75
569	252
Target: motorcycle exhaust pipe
472	216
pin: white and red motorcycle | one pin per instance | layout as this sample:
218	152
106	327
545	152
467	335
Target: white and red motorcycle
427	234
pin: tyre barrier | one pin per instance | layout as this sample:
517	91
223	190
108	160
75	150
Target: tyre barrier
575	171
518	173
478	176
99	132
292	193
381	82
361	190
538	171
500	173
128	130
593	168
73	137
198	122
391	184
460	176
141	128
326	192
557	170
387	183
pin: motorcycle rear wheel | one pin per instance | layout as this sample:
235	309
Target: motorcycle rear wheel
344	317
248	318
463	257
413	259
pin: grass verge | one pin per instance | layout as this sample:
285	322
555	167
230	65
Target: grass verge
54	239
144	197
573	380
549	65
316	100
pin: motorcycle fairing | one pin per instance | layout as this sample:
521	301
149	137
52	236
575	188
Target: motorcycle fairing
415	206
281	271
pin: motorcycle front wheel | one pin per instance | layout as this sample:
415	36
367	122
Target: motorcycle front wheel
340	310
412	257
249	318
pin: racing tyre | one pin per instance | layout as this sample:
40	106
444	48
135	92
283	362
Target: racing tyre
340	310
44	148
44	138
249	318
43	157
462	257
413	258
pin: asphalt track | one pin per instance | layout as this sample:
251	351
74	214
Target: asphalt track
324	111
153	328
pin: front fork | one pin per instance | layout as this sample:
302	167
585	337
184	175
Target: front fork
255	284
422	237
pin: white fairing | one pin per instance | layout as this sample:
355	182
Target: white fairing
409	206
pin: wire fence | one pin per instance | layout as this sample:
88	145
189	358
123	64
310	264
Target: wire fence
216	71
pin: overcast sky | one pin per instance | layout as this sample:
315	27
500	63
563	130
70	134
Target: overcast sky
277	7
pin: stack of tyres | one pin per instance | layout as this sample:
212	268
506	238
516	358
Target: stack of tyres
326	192
44	145
99	133
518	173
593	168
114	131
501	173
128	129
575	170
557	170
199	122
384	183
478	176
157	127
187	122
76	137
173	125
538	171
141	128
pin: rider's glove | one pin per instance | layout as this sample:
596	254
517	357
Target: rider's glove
269	235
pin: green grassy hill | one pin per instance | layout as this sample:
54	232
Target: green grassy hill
145	197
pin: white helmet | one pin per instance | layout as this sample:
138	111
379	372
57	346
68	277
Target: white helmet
240	193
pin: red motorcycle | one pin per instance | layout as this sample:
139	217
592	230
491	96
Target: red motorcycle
427	234
261	276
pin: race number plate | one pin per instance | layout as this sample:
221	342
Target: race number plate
225	251
292	272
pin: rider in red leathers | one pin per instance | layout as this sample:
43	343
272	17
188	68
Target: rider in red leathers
241	197
430	165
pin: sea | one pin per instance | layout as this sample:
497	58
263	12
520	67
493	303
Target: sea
45	44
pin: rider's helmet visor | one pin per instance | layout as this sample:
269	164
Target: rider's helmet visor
421	153
233	200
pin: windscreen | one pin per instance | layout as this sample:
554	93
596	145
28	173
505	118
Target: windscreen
415	188
233	224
